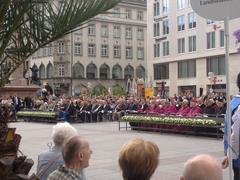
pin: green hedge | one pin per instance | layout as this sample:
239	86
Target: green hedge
169	120
36	114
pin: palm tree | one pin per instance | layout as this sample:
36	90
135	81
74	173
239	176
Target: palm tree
28	25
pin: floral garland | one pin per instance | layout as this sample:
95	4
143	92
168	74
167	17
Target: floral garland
170	120
36	114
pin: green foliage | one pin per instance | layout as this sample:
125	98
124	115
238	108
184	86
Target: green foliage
99	90
117	90
28	25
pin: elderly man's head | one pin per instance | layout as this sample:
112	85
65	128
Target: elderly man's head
62	132
138	159
202	167
76	153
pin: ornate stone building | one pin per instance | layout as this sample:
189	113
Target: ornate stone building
108	50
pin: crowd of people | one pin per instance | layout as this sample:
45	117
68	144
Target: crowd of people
138	159
92	109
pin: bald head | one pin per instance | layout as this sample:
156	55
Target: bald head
202	167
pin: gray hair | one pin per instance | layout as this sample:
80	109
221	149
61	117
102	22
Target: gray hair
62	132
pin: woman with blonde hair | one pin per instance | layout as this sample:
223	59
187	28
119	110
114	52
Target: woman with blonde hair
138	159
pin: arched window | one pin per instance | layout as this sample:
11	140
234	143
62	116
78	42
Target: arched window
128	72
104	71
140	72
78	71
42	71
91	71
49	70
117	72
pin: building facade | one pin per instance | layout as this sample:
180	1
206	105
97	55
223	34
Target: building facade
186	51
109	50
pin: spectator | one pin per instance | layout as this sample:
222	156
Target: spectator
138	159
50	160
202	167
76	154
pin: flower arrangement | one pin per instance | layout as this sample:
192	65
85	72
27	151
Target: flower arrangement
36	114
170	120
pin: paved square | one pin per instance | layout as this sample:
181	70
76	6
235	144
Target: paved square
106	141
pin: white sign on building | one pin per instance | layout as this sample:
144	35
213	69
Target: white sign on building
217	9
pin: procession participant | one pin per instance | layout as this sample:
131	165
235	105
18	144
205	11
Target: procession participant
221	106
195	109
209	108
184	110
235	120
171	107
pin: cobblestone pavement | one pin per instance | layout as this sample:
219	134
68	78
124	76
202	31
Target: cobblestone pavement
106	140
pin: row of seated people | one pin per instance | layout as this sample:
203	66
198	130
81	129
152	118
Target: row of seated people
99	110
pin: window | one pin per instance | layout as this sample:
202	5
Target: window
129	52
161	71
61	47
191	20
221	38
128	14
116	12
128	33
181	23
140	33
91	50
104	30
165	48
116	72
91	30
116	31
187	69
209	21
140	53
140	15
165	27
191	43
50	50
44	51
116	51
156	31
180	4
78	49
61	70
181	45
156	11
165	6
210	40
216	65
104	51
156	50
